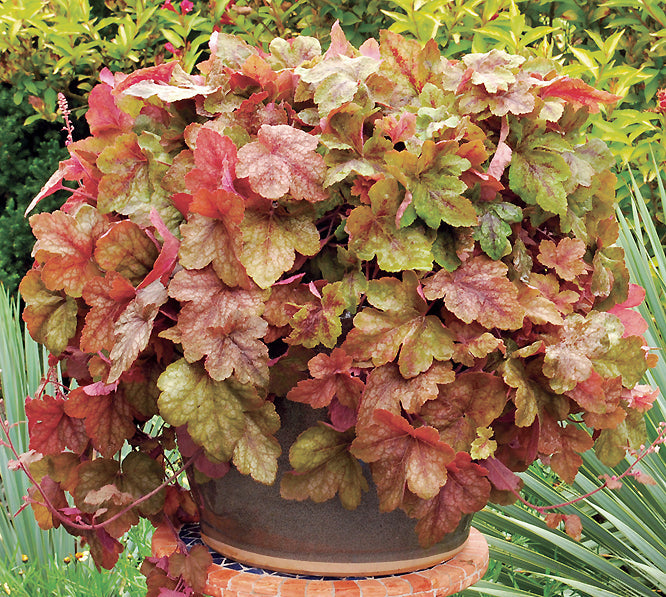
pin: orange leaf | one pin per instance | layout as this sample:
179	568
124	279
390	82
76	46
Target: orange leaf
566	258
332	378
479	290
193	566
403	458
65	245
51	428
466	491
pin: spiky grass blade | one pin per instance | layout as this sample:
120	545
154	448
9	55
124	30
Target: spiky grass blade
22	365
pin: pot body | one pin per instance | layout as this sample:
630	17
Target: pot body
250	523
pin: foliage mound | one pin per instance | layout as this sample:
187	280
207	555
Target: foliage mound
423	248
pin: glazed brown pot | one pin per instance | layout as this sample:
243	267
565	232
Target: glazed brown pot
252	524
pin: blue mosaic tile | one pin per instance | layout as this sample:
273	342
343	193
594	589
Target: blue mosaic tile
190	535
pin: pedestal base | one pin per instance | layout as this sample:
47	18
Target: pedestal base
227	578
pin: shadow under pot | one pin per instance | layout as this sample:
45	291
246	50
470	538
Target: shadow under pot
251	523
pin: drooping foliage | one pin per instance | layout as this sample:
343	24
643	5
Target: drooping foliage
424	248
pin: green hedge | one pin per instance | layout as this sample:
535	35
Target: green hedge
28	156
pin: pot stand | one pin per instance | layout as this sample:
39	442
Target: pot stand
227	578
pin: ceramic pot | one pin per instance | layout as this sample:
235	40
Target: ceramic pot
252	524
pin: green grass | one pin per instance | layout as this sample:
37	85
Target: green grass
74	576
35	563
22	363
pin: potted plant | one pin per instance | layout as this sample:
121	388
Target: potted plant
416	256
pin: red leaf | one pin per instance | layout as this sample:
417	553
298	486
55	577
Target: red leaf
133	329
103	115
156	74
564	445
51	429
632	320
282	160
466	491
501	476
214	237
332	378
188	448
403	458
168	256
65	245
109	419
475	399
387	389
578	93
52	185
221	325
573	526
193	566
553	519
104	549
399	130
46	519
215	159
108	297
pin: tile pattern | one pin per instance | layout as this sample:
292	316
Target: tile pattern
227	578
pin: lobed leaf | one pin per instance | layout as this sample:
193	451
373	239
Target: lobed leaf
221	416
479	290
400	324
323	467
373	231
403	458
283	160
51	318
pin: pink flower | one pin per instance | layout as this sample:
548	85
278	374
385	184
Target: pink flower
168	6
186	6
169	47
661	101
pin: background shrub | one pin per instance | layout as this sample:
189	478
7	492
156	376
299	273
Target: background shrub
28	156
618	46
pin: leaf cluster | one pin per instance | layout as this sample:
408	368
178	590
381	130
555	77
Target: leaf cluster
618	46
61	46
423	250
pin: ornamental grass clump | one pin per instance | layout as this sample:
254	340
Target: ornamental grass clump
423	249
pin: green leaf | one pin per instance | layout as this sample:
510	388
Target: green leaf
494	228
336	80
229	419
593	342
323	466
51	317
400	322
271	240
538	177
433	178
373	232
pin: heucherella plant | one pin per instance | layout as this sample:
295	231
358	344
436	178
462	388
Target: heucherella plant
423	249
